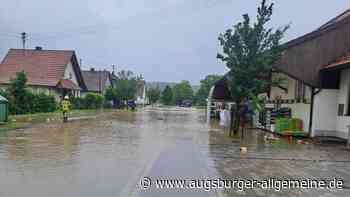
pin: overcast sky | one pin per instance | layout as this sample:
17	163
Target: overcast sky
164	40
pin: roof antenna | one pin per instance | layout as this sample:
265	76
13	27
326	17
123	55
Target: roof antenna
24	39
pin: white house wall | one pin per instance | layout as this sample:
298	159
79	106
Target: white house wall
299	110
325	112
325	118
289	84
107	84
343	98
70	72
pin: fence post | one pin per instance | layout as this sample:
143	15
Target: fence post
348	142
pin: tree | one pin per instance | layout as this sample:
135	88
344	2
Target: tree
249	50
110	94
126	85
203	92
167	96
19	94
153	95
182	91
93	100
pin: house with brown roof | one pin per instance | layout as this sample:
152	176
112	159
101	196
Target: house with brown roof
54	72
97	81
316	67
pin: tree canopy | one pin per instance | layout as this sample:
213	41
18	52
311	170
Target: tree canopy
167	96
249	50
153	95
205	87
182	91
126	85
19	94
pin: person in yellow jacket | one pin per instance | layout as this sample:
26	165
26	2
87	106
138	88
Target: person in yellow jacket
65	108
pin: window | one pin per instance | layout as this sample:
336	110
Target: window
341	110
299	91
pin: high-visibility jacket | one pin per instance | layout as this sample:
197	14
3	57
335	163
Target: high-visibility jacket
65	106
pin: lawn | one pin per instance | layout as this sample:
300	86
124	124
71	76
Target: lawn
22	121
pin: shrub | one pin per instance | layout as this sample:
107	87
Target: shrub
78	103
44	103
93	101
34	103
108	104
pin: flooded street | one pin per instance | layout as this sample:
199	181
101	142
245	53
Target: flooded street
108	156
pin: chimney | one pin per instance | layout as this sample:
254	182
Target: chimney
38	48
92	69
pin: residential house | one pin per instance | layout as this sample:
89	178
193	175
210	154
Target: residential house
141	96
54	72
97	81
219	94
317	69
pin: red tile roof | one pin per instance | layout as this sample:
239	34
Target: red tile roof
340	62
67	84
42	67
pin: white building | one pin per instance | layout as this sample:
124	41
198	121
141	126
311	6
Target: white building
53	72
317	69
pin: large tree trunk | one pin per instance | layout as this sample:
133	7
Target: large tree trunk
235	121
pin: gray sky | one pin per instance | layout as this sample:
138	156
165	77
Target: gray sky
164	40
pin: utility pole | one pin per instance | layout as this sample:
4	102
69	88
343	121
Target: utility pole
113	67
99	81
24	39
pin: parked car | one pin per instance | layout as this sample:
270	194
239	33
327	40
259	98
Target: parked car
186	103
132	104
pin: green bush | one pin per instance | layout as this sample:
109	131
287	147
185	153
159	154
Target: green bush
34	103
108	104
23	101
44	103
93	101
78	103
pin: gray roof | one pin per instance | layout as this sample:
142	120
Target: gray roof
3	98
96	80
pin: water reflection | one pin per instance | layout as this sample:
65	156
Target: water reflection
279	158
107	156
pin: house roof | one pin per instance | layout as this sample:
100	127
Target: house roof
67	84
221	90
340	63
307	55
42	67
336	19
332	24
96	80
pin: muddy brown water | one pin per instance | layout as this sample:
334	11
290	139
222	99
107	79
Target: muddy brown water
107	156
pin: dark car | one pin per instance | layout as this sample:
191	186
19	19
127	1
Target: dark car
132	104
186	103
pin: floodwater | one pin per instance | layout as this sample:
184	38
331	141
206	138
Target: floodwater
109	155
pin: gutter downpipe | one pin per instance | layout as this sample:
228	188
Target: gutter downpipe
313	94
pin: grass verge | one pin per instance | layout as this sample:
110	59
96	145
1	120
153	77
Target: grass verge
23	121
